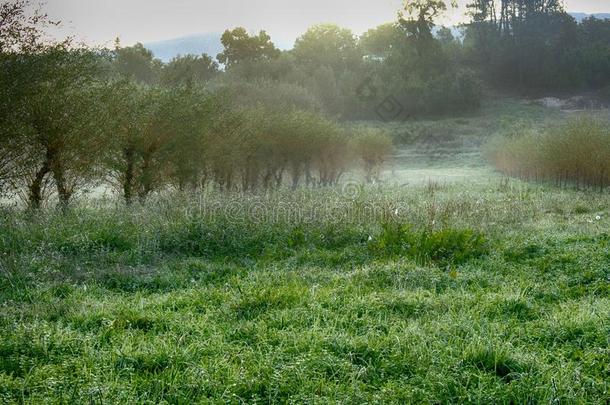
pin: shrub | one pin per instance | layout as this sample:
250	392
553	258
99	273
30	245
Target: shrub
457	91
496	361
451	246
373	147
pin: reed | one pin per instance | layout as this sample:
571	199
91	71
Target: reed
575	154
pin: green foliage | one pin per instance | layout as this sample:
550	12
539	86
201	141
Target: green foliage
422	73
444	247
455	91
378	42
327	45
158	136
54	120
49	108
239	47
265	148
189	70
136	63
594	52
537	46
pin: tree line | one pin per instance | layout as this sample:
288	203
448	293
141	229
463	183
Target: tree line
534	45
527	46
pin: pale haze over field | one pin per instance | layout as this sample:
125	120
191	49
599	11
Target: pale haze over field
99	22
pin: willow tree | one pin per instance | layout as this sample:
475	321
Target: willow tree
132	154
53	117
188	114
21	28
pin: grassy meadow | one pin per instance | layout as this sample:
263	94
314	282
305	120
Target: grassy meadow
444	283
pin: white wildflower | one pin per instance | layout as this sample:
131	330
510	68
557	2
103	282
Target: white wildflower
597	218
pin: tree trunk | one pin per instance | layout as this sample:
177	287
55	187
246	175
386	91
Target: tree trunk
129	154
146	181
35	192
63	192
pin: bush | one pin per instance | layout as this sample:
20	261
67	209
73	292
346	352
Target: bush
455	92
373	147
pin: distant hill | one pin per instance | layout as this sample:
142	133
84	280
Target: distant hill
581	16
193	44
210	42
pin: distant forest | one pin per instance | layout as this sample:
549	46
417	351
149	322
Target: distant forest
528	48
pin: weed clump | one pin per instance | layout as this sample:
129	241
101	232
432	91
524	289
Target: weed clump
495	361
444	247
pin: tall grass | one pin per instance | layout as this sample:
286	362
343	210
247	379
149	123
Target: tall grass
574	154
217	225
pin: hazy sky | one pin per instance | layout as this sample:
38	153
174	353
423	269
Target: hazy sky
100	21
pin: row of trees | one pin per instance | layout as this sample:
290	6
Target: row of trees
73	116
71	130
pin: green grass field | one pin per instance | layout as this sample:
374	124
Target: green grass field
451	289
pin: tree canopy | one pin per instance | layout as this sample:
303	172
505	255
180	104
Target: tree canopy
239	46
